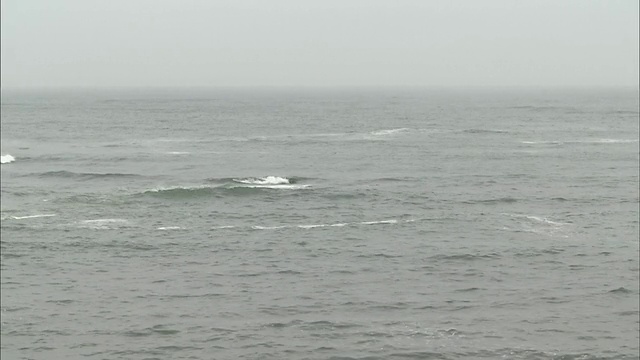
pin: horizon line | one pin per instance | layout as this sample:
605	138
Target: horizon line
311	87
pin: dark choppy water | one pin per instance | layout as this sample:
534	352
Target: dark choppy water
320	225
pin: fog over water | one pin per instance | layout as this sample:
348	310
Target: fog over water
321	43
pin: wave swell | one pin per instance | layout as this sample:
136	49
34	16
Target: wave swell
229	186
85	176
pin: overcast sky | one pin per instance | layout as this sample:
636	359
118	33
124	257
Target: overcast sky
319	43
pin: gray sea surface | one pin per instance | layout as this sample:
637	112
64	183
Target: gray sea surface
320	224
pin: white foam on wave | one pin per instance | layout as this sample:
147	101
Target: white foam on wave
168	188
311	226
5	159
258	227
541	142
538	219
314	226
169	228
104	223
277	187
178	153
268	180
389	131
615	141
538	225
339	224
31	216
284	186
545	220
379	222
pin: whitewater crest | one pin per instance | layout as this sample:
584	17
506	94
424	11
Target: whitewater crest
341	224
5	159
614	141
165	189
30	216
268	180
104	224
538	225
229	186
169	228
538	219
389	131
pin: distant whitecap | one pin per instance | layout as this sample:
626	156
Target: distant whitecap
339	224
102	224
258	227
379	222
311	226
389	131
268	180
615	141
31	216
169	228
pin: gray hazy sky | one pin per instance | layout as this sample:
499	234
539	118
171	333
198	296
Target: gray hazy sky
319	43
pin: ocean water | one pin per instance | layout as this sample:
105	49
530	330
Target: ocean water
320	224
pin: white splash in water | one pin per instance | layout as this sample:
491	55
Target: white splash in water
269	180
5	159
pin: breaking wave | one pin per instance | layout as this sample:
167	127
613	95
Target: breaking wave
341	224
269	180
537	225
169	228
484	131
229	186
537	219
389	131
29	216
277	186
104	224
5	159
